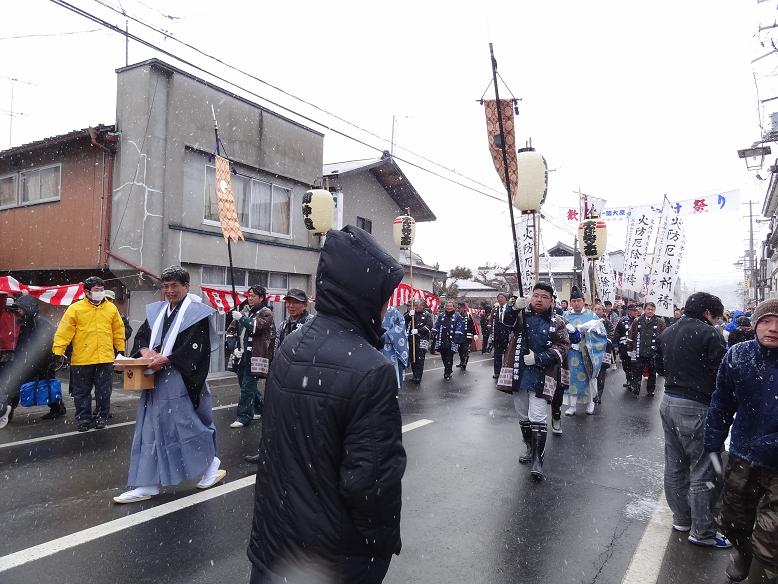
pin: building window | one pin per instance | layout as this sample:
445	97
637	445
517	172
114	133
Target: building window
262	206
365	224
40	184
8	191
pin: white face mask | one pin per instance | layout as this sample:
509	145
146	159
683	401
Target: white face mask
97	296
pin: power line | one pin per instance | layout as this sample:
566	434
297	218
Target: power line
50	34
149	44
168	35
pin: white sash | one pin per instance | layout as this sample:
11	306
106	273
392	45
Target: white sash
172	332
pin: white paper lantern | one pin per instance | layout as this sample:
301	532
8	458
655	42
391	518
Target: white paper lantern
318	208
404	231
592	238
532	180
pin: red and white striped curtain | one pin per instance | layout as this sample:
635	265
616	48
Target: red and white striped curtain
55	295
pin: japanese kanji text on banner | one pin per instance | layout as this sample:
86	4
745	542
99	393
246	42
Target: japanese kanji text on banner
668	253
638	236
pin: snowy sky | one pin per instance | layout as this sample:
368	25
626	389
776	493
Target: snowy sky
627	101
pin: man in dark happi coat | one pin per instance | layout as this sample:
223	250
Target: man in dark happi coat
464	347
175	439
418	324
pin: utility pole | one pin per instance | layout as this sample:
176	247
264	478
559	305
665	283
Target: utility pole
751	263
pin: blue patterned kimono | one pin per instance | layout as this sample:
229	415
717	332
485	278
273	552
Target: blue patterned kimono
395	342
580	375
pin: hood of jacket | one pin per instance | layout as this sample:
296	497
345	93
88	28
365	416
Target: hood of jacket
354	278
29	304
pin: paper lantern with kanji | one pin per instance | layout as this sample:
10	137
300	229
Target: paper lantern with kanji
318	208
404	231
533	180
592	237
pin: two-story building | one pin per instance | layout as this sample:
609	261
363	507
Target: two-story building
126	200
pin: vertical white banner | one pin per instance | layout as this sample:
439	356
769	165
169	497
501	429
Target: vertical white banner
667	261
526	235
606	285
635	268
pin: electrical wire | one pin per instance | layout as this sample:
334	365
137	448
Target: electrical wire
169	36
50	34
149	44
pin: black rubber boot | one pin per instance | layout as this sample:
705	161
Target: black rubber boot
539	432
761	573
526	433
738	568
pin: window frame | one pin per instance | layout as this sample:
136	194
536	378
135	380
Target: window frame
17	181
251	179
38	169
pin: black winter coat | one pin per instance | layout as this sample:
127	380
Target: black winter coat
32	357
690	354
331	459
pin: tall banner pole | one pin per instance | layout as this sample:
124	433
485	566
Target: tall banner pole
507	170
228	218
413	295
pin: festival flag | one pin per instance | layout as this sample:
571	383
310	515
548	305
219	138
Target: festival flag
509	130
228	216
638	236
668	252
698	206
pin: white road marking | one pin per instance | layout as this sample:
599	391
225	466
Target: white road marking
416	424
72	540
65	434
121	424
647	561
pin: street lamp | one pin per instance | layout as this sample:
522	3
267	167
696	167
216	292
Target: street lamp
754	156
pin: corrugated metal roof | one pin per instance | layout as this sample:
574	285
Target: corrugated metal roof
54	140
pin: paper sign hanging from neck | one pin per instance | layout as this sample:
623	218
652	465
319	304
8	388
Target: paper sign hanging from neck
228	216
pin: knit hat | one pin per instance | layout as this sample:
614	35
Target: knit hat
766	308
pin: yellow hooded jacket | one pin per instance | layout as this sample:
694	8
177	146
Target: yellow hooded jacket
96	333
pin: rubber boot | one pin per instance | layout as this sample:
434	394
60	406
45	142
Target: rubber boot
526	434
738	568
760	573
539	432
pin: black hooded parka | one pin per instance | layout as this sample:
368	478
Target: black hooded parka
331	459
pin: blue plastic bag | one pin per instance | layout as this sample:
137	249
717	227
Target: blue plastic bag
27	394
42	392
55	391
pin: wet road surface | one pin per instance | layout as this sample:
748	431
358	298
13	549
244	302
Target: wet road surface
470	511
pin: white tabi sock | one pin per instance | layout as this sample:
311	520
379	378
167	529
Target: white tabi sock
210	474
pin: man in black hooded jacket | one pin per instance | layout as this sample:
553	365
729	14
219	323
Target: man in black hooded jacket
31	359
331	459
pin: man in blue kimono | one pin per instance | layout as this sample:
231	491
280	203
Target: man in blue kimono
580	374
175	439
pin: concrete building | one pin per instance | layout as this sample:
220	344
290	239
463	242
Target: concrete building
130	199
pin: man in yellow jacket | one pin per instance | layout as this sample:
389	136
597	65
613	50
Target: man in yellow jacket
95	329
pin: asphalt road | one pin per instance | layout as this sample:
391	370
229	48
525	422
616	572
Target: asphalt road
470	511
